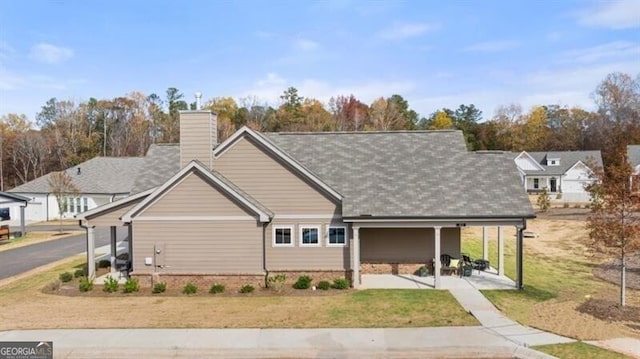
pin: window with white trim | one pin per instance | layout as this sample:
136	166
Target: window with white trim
309	235
283	236
337	236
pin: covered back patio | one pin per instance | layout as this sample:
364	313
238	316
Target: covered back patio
403	245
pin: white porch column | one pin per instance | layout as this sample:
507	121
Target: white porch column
356	257
91	256
114	249
436	265
500	252
485	244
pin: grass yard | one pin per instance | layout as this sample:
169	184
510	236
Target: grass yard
557	278
24	306
579	350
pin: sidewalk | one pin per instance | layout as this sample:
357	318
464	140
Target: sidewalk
441	342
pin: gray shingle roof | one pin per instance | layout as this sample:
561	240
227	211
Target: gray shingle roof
633	154
410	174
161	162
567	160
109	175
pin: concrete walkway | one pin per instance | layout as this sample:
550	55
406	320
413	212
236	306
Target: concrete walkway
492	319
443	342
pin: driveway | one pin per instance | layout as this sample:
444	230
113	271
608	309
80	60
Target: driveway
23	259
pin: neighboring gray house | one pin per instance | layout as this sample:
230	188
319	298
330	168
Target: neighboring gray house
563	173
326	203
633	157
100	180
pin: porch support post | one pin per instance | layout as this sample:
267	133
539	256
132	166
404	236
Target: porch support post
519	257
91	256
436	265
356	257
500	252
485	244
23	230
113	249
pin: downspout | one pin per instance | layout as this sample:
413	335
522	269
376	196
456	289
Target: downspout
519	256
264	252
46	201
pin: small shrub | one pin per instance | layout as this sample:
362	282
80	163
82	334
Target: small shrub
340	283
303	282
85	284
565	205
131	285
276	282
66	277
324	285
110	285
543	201
79	273
159	287
216	288
247	288
190	288
104	263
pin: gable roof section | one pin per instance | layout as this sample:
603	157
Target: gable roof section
530	160
406	174
95	212
99	175
161	162
7	198
567	160
225	185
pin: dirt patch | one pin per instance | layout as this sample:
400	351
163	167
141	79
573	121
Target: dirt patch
574	214
609	310
610	271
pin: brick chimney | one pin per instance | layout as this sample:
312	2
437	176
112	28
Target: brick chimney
198	135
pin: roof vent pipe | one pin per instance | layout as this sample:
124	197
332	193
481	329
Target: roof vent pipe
198	98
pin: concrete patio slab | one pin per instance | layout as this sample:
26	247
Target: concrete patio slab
478	280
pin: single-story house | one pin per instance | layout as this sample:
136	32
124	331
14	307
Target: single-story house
326	203
563	173
99	181
13	203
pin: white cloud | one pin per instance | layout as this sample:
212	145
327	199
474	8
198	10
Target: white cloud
270	88
613	14
401	31
50	54
616	49
305	44
492	46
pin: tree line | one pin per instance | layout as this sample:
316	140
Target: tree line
65	133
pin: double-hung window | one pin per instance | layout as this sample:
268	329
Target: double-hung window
309	235
283	236
337	236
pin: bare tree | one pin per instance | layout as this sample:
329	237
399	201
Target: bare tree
61	185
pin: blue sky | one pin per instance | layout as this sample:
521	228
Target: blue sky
435	54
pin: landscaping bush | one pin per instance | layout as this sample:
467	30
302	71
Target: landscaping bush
104	263
324	285
110	285
66	277
79	273
131	285
247	288
85	284
276	282
190	288
216	288
53	286
303	282
159	287
340	283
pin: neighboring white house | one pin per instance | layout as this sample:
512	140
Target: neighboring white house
563	173
100	180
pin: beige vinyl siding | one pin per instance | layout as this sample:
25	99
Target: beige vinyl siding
197	137
406	245
193	196
321	257
271	182
202	247
113	215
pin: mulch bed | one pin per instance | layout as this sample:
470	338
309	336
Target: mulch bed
610	271
609	310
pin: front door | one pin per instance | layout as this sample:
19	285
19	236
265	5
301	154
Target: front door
553	185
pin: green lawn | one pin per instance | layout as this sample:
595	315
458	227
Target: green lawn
579	350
